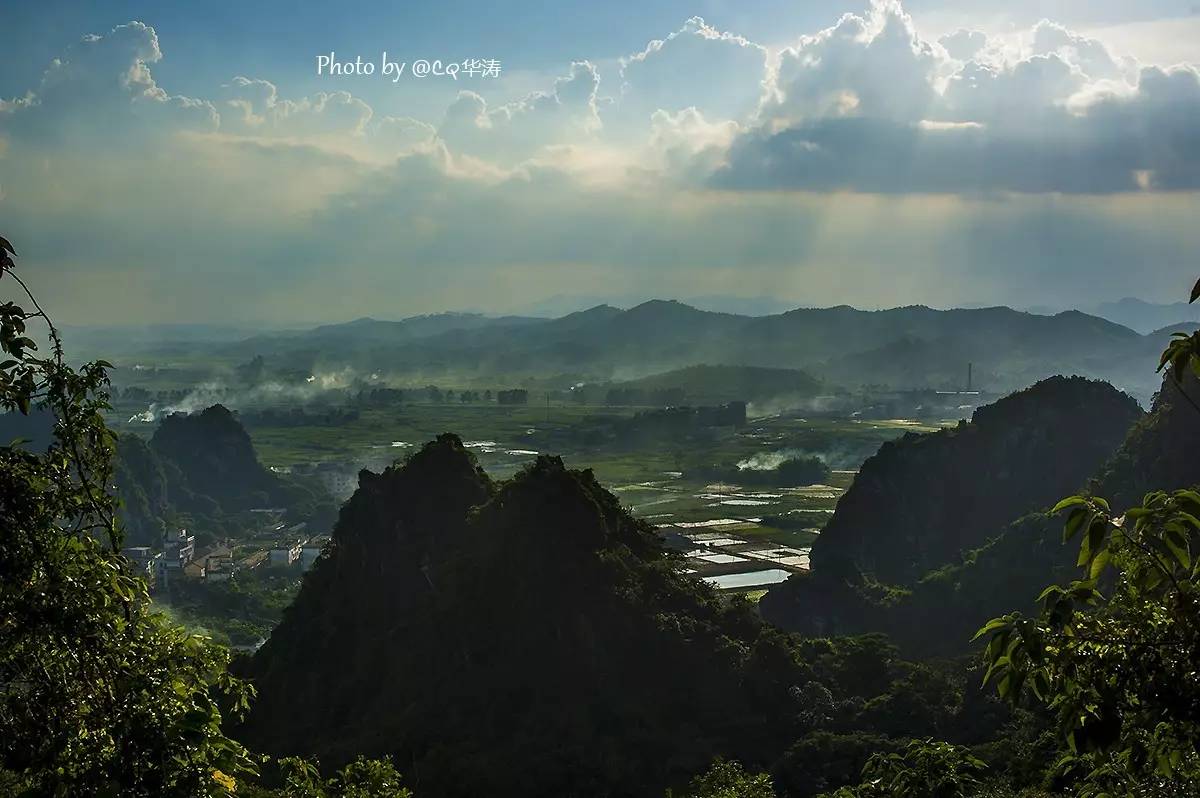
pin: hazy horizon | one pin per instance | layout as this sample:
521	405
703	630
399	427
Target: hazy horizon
558	307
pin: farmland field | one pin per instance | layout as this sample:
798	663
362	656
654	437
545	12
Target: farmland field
654	480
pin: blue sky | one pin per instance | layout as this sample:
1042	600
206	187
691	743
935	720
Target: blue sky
184	161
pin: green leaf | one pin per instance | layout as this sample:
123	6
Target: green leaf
1178	545
1074	523
995	624
1092	542
1192	520
1070	501
1099	563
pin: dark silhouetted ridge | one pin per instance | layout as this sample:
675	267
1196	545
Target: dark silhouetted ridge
526	638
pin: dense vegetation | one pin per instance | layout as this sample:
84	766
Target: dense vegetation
97	694
200	471
498	636
1113	653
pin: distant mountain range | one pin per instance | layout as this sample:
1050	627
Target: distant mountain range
561	304
1146	317
1139	315
909	347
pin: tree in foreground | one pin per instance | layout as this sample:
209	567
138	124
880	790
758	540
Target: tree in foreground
1114	655
923	769
98	695
362	778
728	780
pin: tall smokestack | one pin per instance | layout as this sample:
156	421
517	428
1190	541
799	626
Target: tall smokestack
970	368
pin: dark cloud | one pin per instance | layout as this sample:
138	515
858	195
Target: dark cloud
882	156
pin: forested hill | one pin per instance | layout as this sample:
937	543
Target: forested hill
505	639
910	347
1009	571
925	502
530	638
1160	451
202	469
926	497
214	453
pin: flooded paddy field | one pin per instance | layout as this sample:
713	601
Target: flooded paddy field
723	527
652	480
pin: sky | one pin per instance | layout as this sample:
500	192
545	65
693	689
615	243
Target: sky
193	162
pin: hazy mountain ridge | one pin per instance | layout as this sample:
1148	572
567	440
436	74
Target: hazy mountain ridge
370	330
909	347
1143	316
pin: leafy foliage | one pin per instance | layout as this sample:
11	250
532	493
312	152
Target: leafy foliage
924	769
1117	669
728	780
1113	654
97	695
362	778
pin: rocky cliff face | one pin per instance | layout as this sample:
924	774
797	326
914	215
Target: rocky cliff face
1009	571
925	498
904	548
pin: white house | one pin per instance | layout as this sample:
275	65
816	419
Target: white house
284	556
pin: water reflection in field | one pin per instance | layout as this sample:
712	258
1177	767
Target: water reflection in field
769	576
